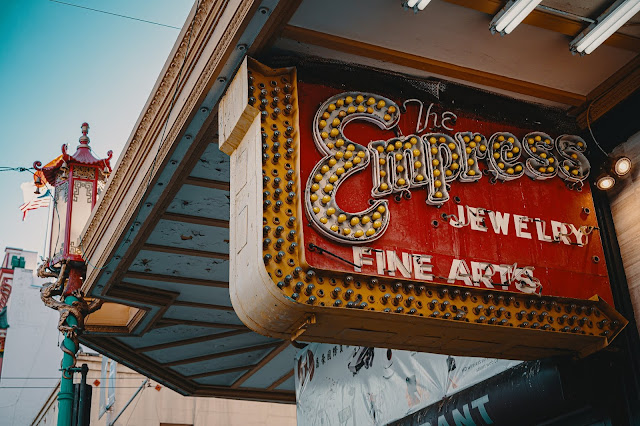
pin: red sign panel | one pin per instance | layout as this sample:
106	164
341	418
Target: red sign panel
516	234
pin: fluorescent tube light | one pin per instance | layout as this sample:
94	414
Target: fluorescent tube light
607	24
511	15
421	3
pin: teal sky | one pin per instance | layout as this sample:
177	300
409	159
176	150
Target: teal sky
60	66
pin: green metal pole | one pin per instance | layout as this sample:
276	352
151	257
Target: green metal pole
65	396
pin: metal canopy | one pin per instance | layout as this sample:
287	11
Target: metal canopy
194	340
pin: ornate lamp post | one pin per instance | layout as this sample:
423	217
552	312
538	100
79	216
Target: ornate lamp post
78	180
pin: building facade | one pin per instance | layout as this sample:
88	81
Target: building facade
31	358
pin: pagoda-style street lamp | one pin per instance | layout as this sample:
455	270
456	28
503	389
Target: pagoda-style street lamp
77	180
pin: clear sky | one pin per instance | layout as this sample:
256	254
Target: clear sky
62	65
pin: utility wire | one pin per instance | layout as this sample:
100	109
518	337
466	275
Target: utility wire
15	169
114	14
52	386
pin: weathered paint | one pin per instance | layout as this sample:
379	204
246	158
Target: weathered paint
181	265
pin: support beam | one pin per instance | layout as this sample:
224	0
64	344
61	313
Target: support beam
169	322
190	341
197	220
176	279
218	372
445	69
188	304
185	251
287	397
609	93
280	381
273	28
222	354
206	183
264	361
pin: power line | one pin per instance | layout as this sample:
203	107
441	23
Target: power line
15	169
115	14
53	386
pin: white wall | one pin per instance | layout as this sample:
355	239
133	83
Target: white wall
31	349
625	208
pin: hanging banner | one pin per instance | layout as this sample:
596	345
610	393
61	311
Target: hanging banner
356	385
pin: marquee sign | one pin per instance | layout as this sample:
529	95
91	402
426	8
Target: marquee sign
392	222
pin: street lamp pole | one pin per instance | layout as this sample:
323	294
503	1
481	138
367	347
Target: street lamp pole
77	180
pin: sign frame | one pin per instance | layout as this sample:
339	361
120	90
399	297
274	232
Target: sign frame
276	294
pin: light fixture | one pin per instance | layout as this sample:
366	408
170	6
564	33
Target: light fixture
511	15
622	166
605	182
607	24
421	3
